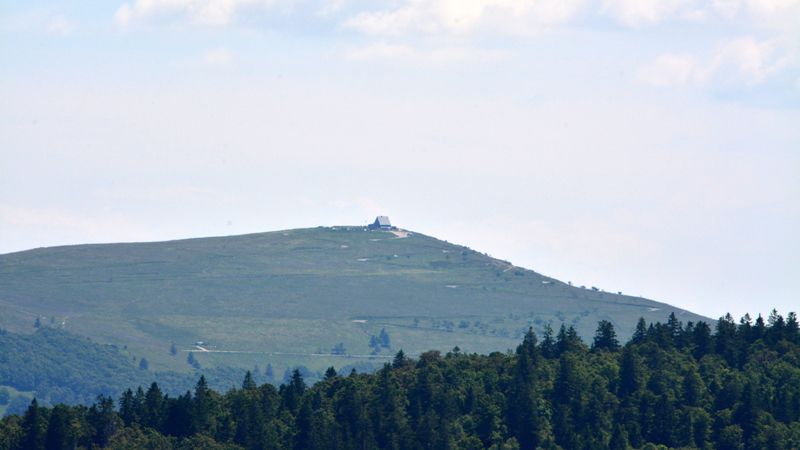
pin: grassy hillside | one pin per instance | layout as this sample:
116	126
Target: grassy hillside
288	297
56	366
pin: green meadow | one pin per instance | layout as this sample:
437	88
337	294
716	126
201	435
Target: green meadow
289	298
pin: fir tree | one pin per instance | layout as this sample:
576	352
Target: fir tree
269	373
383	337
605	337
548	346
248	382
33	427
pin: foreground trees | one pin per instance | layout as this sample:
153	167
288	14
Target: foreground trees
673	385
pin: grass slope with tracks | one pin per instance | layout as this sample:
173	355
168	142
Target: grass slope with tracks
287	298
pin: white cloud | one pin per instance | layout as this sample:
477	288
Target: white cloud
60	25
459	17
380	50
770	14
646	12
406	53
753	60
739	61
668	70
206	12
48	21
772	7
217	57
726	8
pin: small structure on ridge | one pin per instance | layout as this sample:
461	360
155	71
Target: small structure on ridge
382	223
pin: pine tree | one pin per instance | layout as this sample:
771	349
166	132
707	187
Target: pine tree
619	439
104	420
293	391
759	328
528	347
746	414
248	382
304	424
153	407
792	328
399	359
127	408
383	337
640	334
693	388
630	372
193	361
701	339
391	420
180	420
269	373
725	340
330	373
568	396
568	340
526	420
203	406
60	435
33	426
548	346
605	337
664	422
675	328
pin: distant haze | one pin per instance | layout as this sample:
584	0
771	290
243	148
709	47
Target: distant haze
646	147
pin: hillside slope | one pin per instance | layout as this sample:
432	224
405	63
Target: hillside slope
288	297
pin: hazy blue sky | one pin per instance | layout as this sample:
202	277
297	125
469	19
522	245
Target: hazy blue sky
644	146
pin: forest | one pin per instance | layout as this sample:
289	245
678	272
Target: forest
729	385
61	367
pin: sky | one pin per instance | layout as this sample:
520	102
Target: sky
644	146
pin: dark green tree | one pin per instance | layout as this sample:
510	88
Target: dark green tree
383	337
128	408
605	338
701	340
103	420
61	434
269	373
204	407
630	372
248	382
34	427
153	408
293	392
640	334
399	359
330	373
548	346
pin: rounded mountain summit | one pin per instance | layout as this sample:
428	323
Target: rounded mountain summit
304	296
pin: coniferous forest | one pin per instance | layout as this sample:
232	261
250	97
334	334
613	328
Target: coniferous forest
673	385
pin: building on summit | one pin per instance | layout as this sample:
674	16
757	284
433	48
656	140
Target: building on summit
381	223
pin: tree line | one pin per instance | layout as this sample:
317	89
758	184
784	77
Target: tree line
672	385
61	367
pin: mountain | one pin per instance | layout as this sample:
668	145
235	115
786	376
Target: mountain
294	297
